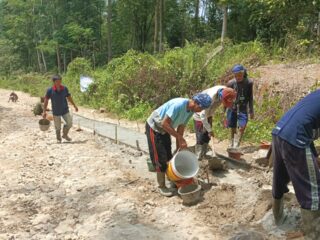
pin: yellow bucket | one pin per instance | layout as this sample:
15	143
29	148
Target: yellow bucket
183	165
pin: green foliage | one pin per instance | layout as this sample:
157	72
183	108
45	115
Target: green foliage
33	83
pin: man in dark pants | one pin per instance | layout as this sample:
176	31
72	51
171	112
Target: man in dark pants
220	95
295	158
239	112
161	125
59	95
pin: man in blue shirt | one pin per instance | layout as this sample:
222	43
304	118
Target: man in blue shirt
295	158
59	95
161	125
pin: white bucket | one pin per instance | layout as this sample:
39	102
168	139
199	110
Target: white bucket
183	165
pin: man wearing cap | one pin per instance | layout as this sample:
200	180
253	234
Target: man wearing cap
169	120
203	119
295	159
59	95
238	113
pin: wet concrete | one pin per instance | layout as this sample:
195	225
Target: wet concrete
112	131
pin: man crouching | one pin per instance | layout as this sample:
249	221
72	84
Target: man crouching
161	125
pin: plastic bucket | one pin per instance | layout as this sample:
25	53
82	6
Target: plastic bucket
44	124
234	153
183	165
190	194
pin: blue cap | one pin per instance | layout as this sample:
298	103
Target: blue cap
203	100
238	68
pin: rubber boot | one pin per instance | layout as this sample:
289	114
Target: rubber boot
310	224
161	179
204	149
231	144
58	135
238	140
172	185
198	151
277	209
65	135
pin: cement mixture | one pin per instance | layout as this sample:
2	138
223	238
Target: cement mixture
93	188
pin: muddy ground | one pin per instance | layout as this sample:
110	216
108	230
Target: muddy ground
93	188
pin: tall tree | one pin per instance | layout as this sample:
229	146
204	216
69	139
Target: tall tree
109	30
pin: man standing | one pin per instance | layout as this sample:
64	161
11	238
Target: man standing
59	95
203	119
162	124
295	158
239	112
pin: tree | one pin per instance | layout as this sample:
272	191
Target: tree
109	30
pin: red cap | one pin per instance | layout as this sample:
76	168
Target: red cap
228	97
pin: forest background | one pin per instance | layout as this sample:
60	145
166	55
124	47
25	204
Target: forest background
142	53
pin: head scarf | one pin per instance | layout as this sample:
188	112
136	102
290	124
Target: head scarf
203	100
238	68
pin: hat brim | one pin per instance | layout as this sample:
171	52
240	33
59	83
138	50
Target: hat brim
227	104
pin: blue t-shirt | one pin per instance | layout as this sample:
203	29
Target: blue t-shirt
58	100
297	125
176	110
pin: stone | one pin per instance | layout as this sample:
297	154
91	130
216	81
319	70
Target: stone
65	226
41	219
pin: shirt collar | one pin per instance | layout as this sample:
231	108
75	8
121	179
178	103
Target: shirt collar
55	88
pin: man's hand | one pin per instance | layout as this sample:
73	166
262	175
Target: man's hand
251	115
44	114
76	108
182	143
211	135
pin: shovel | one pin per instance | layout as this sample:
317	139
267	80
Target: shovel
215	163
214	155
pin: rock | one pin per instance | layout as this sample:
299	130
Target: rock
65	226
102	110
41	219
248	235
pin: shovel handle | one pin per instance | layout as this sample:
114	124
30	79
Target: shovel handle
213	148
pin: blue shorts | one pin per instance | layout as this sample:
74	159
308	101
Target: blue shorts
233	118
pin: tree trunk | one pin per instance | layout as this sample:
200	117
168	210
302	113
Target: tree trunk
196	18
58	59
224	24
318	27
109	30
156	24
39	61
160	25
44	61
64	62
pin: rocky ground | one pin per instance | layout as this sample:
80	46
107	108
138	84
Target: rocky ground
93	188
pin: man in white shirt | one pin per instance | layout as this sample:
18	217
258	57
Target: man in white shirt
203	119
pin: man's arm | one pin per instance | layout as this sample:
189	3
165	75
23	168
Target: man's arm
251	111
180	131
45	105
204	119
72	102
166	125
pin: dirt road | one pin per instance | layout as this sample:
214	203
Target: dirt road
94	189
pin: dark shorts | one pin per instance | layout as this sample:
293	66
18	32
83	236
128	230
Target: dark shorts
159	148
233	118
300	166
201	133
